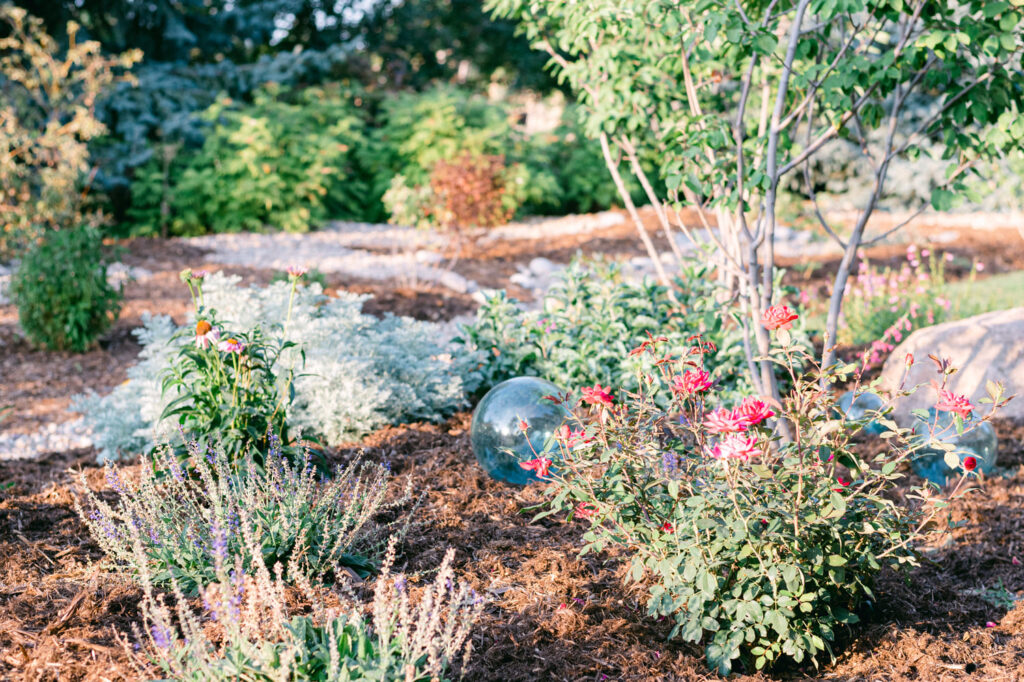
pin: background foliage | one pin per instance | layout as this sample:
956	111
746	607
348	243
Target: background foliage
47	118
195	50
286	162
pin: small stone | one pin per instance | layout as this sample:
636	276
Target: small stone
542	266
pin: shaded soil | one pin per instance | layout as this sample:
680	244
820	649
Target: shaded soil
550	615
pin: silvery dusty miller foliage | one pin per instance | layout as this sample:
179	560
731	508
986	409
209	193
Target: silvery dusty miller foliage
249	631
360	372
189	520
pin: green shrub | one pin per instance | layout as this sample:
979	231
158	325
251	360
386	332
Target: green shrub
410	206
564	172
61	290
591	319
250	512
281	162
760	548
416	130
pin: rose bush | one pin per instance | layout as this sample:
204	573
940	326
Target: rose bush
759	546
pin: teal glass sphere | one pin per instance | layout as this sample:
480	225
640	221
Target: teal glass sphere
858	406
978	440
496	433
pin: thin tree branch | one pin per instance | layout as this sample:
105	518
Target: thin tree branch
613	168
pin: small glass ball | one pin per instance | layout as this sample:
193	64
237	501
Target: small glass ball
857	408
978	441
496	433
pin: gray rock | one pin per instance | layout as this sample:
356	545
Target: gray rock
983	348
542	266
54	437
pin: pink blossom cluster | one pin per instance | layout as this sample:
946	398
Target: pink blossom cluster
906	291
729	424
750	412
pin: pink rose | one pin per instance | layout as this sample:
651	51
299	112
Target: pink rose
778	317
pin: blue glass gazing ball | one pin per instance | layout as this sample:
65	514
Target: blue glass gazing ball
978	440
857	408
496	434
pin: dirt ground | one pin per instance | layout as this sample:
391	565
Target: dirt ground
550	615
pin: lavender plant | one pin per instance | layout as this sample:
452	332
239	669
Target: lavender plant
246	630
250	512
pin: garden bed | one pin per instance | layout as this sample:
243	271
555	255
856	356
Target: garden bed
549	615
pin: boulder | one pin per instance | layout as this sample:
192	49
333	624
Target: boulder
982	348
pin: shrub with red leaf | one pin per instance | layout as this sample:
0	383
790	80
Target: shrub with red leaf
471	191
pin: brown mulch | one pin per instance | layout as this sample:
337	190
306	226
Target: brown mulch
61	617
550	614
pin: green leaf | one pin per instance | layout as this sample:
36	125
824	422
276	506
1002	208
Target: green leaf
952	459
942	199
720	657
838	504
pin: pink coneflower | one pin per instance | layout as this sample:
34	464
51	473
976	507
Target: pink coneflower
724	421
296	271
206	335
753	411
734	447
231	345
954	402
778	317
539	466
